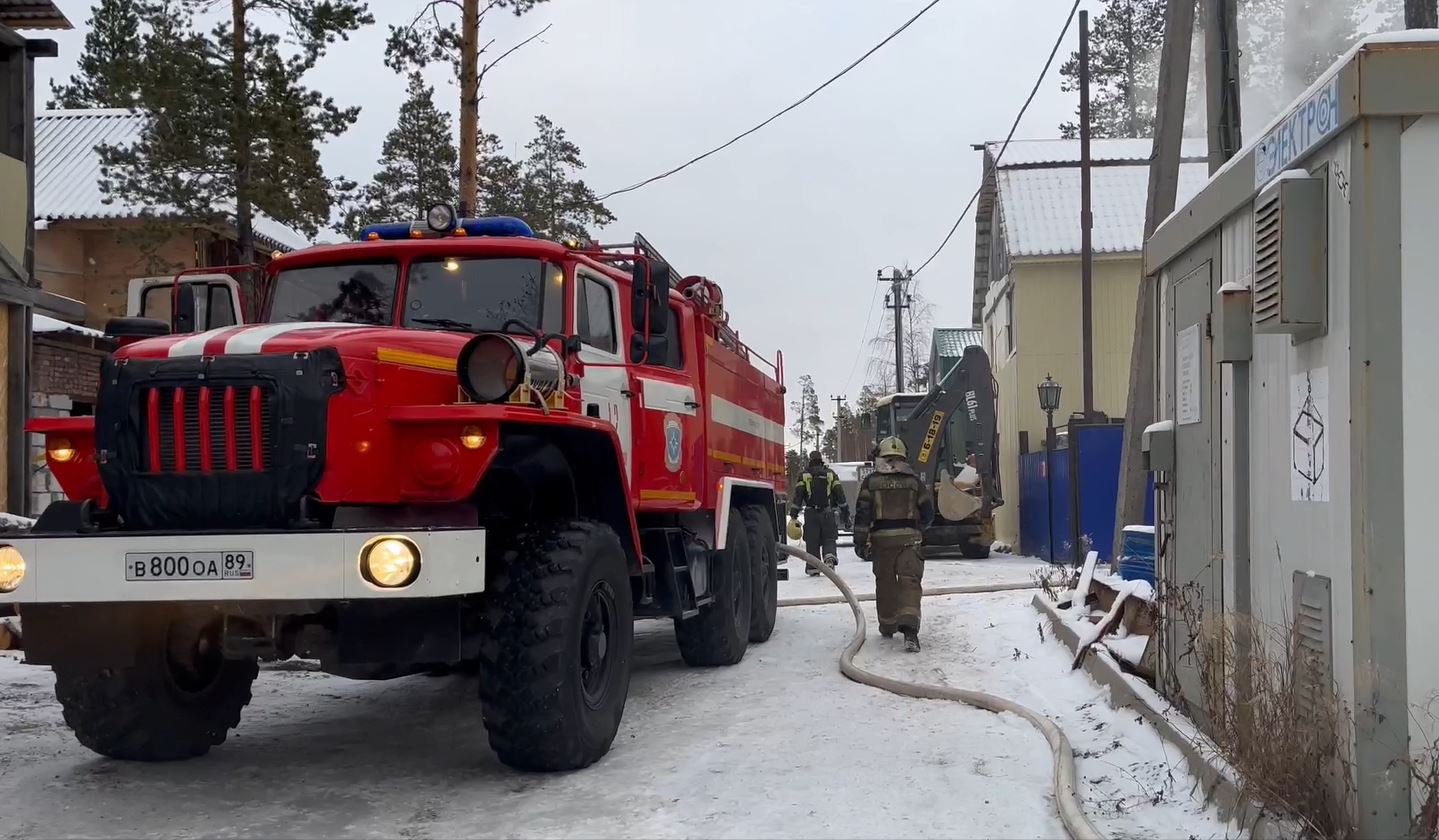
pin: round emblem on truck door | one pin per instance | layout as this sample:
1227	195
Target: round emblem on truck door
674	443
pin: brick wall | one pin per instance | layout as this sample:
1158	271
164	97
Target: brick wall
65	370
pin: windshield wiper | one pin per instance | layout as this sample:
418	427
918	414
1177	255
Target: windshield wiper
447	324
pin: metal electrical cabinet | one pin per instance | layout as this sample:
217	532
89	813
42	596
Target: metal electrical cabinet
1296	371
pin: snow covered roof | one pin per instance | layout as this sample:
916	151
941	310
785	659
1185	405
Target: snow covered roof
1031	199
45	324
950	342
67	171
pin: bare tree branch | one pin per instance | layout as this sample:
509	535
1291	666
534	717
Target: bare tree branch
507	53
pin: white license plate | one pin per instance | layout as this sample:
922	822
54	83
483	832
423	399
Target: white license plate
190	565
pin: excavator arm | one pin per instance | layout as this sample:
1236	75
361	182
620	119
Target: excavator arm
958	412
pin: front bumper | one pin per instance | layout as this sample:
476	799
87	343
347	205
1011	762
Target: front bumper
288	566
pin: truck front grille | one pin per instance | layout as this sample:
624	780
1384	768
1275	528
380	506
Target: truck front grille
204	429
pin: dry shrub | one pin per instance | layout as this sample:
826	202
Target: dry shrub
1272	710
1056	581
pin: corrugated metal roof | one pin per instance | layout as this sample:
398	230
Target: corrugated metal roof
67	171
1040	207
32	14
950	342
1035	152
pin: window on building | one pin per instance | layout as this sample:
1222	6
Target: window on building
597	315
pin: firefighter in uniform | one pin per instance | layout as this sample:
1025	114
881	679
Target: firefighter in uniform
891	511
821	496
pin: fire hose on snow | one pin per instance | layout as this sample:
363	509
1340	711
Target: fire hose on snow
1066	777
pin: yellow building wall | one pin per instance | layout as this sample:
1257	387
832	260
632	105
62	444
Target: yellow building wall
14	206
1048	338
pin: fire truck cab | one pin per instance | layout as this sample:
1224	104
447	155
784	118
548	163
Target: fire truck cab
450	445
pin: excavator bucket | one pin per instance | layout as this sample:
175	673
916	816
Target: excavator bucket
953	502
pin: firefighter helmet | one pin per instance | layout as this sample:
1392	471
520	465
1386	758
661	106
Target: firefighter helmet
892	447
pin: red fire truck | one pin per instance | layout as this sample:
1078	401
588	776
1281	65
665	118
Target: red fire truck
450	445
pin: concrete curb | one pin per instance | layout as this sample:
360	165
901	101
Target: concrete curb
1215	777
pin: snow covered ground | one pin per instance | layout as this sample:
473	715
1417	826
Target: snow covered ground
778	746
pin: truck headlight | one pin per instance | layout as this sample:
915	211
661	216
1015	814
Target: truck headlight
12	568
390	562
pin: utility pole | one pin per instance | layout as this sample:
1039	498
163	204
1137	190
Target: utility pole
1420	14
898	300
1163	185
1221	63
838	428
1086	221
469	106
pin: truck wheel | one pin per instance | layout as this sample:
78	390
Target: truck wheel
555	662
178	699
973	550
720	633
764	559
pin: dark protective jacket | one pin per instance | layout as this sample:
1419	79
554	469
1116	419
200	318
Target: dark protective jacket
891	501
818	487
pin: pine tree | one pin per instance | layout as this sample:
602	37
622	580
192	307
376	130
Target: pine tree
110	65
559	204
1286	44
417	167
427	38
1124	45
808	424
234	127
501	181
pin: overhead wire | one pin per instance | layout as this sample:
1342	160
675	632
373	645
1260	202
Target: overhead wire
864	335
1069	21
808	96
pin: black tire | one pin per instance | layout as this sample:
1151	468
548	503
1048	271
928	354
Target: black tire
764	559
973	550
555	662
166	706
720	633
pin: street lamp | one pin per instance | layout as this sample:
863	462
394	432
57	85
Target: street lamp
1049	403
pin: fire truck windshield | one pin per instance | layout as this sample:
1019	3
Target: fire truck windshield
355	293
484	293
460	294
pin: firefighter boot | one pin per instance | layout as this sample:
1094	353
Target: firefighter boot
911	640
887	631
831	561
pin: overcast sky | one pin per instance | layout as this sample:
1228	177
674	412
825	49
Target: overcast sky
793	221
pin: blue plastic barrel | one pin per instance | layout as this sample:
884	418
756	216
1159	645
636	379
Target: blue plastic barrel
1136	553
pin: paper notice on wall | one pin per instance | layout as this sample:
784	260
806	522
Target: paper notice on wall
1186	376
1309	435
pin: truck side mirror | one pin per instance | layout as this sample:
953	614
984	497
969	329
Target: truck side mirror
650	296
136	328
183	315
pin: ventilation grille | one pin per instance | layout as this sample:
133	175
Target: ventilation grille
1313	645
1266	262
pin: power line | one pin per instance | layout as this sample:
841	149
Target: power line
738	137
859	351
1037	83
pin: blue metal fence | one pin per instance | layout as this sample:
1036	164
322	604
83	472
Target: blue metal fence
1087	472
